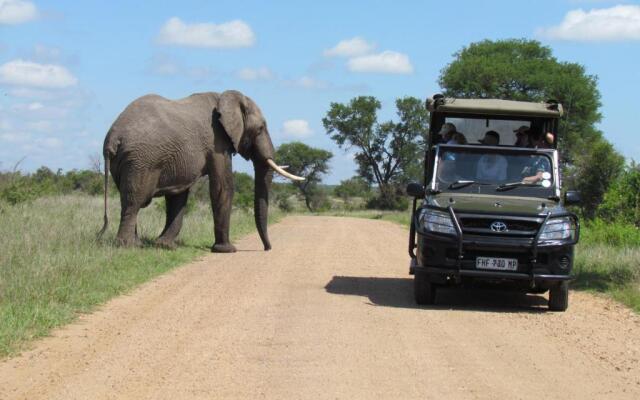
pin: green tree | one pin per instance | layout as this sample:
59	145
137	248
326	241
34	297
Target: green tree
593	172
309	162
388	154
622	200
519	69
243	185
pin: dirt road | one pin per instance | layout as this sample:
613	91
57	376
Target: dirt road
328	313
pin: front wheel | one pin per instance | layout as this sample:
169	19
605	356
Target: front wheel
559	297
423	289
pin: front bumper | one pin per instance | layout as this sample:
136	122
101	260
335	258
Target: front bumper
446	257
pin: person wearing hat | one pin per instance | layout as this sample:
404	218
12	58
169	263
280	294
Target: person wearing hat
523	136
446	133
491	167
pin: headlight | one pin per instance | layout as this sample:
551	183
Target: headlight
558	229
436	221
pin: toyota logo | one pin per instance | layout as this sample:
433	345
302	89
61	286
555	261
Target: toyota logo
498	226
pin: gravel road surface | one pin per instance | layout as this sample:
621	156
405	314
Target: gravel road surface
329	313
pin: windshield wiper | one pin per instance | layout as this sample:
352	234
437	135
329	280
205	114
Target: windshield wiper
459	184
507	186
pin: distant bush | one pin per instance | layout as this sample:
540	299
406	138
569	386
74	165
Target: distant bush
16	187
617	234
622	200
352	188
19	190
393	198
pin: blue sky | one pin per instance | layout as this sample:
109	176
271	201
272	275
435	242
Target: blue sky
68	68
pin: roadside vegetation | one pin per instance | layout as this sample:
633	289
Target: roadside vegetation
52	269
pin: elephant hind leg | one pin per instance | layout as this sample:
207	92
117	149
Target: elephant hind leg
176	207
128	230
136	189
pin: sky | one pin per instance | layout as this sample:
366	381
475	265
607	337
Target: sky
68	68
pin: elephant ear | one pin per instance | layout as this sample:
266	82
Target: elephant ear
231	109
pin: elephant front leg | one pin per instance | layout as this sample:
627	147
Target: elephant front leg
221	192
176	207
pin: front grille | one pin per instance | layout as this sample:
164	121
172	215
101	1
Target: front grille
527	227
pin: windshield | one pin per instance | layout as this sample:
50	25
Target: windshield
483	170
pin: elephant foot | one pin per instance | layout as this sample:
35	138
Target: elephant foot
166	244
223	248
127	242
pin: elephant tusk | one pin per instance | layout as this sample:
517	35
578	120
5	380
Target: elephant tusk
283	172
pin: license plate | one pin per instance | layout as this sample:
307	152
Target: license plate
500	264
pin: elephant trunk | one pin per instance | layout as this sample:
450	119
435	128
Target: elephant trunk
263	177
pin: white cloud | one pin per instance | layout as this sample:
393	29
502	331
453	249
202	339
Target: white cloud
307	82
620	22
255	74
297	128
350	48
26	73
225	35
388	62
17	11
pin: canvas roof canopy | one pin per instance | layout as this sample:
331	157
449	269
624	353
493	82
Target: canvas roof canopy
439	103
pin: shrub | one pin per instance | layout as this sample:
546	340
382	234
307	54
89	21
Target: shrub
617	234
19	190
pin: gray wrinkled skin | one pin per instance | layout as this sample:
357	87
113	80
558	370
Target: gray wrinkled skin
160	147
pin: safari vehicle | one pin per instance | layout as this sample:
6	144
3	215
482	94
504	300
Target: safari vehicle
508	227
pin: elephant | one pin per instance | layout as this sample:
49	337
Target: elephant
159	147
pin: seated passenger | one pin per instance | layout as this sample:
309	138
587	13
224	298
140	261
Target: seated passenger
491	167
446	133
523	137
542	141
458	138
535	172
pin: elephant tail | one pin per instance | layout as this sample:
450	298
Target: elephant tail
106	187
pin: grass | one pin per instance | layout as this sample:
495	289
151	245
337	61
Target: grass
51	267
607	256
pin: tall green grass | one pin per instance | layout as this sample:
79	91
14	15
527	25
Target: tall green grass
51	267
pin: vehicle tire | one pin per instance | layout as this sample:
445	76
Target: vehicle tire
423	289
559	297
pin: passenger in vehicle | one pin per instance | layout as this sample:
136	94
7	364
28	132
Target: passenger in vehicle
542	141
535	172
523	136
458	138
446	133
491	167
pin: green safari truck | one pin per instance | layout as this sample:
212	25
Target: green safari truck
491	208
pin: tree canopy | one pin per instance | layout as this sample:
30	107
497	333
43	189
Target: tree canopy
388	153
520	69
305	161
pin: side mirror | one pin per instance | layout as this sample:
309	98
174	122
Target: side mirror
572	197
415	190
